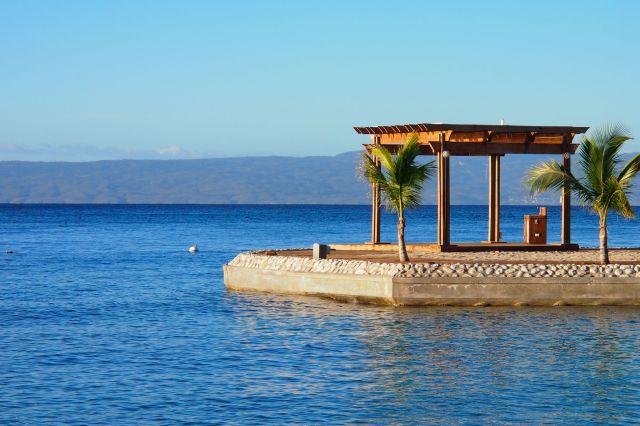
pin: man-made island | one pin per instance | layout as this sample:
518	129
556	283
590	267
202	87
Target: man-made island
491	272
496	278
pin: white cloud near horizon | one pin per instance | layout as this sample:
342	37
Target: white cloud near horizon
86	152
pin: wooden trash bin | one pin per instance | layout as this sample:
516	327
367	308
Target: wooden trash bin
535	227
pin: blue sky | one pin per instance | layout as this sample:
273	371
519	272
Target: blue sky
92	80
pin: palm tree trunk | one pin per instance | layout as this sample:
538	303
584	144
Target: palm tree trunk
604	249
402	247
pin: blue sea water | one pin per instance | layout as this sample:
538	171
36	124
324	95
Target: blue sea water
106	319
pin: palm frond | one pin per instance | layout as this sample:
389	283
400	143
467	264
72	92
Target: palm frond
421	173
591	163
552	176
405	159
371	171
548	175
399	176
411	196
609	140
615	198
629	172
383	154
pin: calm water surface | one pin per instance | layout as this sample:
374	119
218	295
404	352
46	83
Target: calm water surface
105	318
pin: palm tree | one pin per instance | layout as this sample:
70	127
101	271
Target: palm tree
603	184
400	180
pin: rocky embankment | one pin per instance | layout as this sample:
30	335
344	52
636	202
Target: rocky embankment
281	262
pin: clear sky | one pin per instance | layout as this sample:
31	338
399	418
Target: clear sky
84	80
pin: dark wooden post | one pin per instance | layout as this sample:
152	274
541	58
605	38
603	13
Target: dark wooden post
444	196
375	203
496	207
494	198
566	201
491	236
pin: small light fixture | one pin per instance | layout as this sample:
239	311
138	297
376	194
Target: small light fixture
566	155
445	154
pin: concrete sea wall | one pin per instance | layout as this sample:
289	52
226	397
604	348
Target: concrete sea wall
462	284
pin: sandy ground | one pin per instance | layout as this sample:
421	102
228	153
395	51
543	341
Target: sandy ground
583	256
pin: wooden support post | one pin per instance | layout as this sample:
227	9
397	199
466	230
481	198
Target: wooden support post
497	205
491	236
494	199
566	204
444	195
439	162
375	204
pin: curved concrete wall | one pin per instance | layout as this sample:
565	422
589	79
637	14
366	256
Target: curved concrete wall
358	288
499	291
281	274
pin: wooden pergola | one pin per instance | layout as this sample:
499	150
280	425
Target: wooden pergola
493	141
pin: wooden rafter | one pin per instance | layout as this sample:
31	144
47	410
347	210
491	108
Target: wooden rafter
482	148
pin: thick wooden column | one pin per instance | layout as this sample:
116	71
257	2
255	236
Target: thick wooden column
494	198
375	204
444	195
566	204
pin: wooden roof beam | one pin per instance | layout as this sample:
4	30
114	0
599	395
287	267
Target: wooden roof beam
434	127
483	149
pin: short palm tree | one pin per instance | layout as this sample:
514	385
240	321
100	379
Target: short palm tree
604	184
400	180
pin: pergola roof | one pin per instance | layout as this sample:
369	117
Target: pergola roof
478	139
436	127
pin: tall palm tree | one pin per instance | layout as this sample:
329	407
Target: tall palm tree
400	180
603	184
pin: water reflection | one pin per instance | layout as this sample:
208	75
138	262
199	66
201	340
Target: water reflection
438	364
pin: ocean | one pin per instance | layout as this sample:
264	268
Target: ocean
106	319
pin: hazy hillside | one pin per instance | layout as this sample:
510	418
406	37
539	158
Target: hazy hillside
243	180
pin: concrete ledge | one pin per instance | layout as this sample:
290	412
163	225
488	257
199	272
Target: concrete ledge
376	289
368	282
501	291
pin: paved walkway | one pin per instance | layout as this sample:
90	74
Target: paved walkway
583	256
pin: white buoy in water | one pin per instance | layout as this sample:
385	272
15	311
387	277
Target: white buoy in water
193	249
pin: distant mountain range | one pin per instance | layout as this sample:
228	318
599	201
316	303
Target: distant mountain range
243	180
